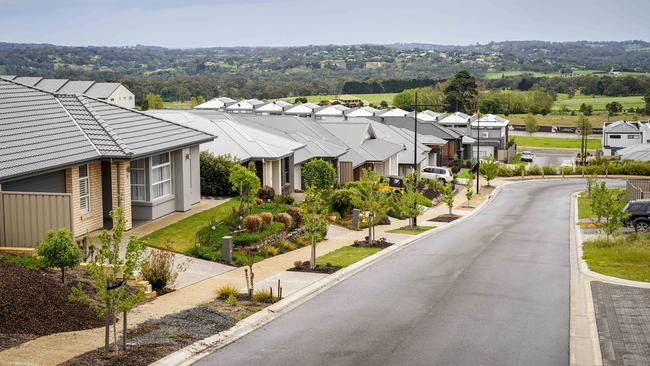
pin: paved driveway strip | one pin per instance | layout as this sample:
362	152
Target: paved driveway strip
493	290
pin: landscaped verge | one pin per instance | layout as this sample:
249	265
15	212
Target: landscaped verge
626	256
411	231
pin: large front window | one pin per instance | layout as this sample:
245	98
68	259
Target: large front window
84	189
138	180
161	175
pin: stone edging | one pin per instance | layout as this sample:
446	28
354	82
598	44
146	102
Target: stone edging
204	347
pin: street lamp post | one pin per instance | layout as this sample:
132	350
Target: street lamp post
478	146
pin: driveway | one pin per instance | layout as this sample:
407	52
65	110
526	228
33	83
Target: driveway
493	290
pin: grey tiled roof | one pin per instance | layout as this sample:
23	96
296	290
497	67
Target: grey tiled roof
622	126
28	80
75	87
42	131
51	85
102	90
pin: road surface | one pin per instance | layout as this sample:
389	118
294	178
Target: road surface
493	290
552	157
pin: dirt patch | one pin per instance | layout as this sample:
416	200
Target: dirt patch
304	267
445	218
35	303
155	339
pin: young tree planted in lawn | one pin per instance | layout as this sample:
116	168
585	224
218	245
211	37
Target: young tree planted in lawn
374	202
408	201
110	270
60	251
615	216
591	180
448	196
319	174
469	193
531	124
245	182
313	211
489	168
599	200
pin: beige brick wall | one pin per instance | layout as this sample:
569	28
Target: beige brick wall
93	219
124	188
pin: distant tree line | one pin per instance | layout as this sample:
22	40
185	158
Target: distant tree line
385	86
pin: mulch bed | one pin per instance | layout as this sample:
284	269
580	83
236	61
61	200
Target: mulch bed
34	303
381	243
327	269
155	339
445	218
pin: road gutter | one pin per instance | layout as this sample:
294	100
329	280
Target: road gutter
204	347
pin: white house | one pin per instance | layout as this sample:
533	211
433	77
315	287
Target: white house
621	134
395	112
336	110
114	93
362	112
273	108
216	104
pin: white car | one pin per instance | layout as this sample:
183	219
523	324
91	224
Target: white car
437	173
527	156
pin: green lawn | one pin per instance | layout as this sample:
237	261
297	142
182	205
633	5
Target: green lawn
598	119
598	102
464	173
556	142
370	98
182	233
626	256
346	256
177	105
409	231
584	206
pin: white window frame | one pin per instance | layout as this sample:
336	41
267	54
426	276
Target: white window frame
84	181
136	170
154	183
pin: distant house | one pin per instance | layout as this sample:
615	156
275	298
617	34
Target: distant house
242	106
216	104
273	108
67	160
114	93
350	101
336	110
491	132
395	112
362	112
366	149
304	110
621	134
272	154
426	116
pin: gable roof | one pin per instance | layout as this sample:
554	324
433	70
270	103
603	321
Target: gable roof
28	80
331	110
102	90
403	137
395	112
622	127
299	110
276	106
75	87
426	116
237	139
639	152
362	112
318	142
489	120
360	137
456	118
425	128
216	103
43	131
241	106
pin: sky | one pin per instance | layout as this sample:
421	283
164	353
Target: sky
203	23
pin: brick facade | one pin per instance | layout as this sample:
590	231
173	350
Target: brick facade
94	218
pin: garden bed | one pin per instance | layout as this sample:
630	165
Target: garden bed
35	303
445	218
411	231
326	268
155	339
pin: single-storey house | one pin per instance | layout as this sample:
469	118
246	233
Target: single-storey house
67	160
362	112
272	154
366	149
273	108
336	110
216	104
304	109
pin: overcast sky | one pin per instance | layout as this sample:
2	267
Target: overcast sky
203	23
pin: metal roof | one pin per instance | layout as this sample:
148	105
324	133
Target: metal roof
362	112
640	152
102	90
331	110
395	112
299	110
42	131
426	116
425	128
456	118
403	137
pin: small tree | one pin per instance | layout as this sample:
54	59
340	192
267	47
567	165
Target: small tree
194	101
469	193
155	101
614	107
489	168
584	125
615	215
313	211
374	202
586	109
59	250
408	201
249	259
319	174
245	182
591	180
531	124
448	196
600	198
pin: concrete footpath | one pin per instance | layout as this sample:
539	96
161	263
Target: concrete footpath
57	348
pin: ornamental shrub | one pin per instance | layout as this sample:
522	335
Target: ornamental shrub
549	170
252	223
267	217
58	250
285	219
215	171
534	170
294	212
266	193
319	174
505	171
344	200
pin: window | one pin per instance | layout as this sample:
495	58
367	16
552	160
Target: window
428	170
84	189
633	137
615	137
138	180
161	175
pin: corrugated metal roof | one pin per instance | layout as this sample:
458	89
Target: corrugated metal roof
395	112
400	136
102	90
640	152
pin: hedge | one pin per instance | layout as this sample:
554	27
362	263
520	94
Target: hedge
215	171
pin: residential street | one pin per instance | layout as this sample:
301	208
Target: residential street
552	157
493	290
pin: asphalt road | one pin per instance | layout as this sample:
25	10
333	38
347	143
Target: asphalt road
552	157
493	290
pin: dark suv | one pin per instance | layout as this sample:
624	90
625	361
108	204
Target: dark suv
639	211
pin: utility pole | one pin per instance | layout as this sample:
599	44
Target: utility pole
478	146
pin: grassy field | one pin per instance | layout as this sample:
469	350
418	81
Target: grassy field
597	120
409	231
598	102
626	256
346	256
499	74
177	105
182	233
554	142
374	99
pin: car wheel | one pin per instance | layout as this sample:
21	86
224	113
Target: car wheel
641	225
442	180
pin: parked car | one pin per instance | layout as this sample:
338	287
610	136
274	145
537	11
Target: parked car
639	211
441	174
527	156
566	164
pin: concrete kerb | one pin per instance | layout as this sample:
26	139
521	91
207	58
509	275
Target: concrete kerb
202	348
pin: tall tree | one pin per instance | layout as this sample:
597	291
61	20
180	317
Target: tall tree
313	211
584	125
461	93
